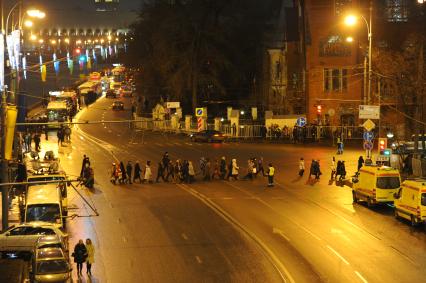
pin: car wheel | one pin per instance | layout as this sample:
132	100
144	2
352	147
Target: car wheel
413	221
354	197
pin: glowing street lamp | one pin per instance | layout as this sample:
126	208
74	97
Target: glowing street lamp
34	13
350	20
67	40
349	39
33	37
53	41
28	23
40	41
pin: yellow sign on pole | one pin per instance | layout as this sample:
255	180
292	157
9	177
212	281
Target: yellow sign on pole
11	115
43	73
199	112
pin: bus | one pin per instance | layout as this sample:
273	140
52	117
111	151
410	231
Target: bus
57	111
44	203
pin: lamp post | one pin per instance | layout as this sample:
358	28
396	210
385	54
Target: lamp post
351	20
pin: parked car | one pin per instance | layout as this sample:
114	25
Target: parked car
50	265
110	94
208	136
25	236
52	241
117	105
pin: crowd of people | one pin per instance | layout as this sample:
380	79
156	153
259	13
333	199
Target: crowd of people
183	171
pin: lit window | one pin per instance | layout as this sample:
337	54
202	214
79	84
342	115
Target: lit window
397	10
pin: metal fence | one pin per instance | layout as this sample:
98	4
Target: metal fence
293	134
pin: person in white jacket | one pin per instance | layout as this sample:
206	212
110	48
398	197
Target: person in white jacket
301	166
234	169
148	173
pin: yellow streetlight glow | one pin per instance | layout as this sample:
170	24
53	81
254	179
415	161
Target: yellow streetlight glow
78	41
96	41
349	39
28	23
33	37
53	41
67	40
102	40
89	40
109	37
40	40
36	13
350	20
116	39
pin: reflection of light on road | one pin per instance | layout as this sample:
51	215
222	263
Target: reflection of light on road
81	137
338	255
217	145
361	277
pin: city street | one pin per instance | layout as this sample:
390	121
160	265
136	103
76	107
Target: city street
236	231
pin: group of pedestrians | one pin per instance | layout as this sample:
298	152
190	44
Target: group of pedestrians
183	171
84	253
338	171
28	139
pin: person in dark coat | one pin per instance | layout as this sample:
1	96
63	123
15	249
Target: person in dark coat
129	169
80	255
123	179
360	162
223	168
137	173
170	170
83	164
37	141
160	172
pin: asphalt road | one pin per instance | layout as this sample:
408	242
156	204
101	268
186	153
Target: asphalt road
237	231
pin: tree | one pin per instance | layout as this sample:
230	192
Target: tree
198	49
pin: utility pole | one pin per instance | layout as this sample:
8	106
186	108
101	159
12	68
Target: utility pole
4	164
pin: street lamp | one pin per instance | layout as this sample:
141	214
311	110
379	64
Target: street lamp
33	37
351	20
28	23
349	39
34	13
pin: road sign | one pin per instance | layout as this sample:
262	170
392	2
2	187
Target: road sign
368	136
369	112
368	145
369	125
301	121
200	124
173	104
199	112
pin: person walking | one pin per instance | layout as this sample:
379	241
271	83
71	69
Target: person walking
185	171
342	171
170	169
60	134
80	255
312	169
301	167
160	172
271	173
249	170
216	170
148	173
90	256
123	178
360	162
223	168
317	170
260	167
207	169
191	172
37	141
137	173
234	169
333	168
129	169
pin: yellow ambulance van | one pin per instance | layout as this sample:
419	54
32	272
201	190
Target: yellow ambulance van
410	201
376	184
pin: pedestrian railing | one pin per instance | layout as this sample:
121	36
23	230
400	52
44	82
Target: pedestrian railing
289	134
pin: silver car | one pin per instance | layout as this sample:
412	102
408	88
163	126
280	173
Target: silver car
50	265
25	236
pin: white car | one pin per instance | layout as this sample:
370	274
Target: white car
25	236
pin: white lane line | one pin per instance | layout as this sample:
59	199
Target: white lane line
124	239
226	198
338	255
309	232
361	277
184	236
198	259
281	233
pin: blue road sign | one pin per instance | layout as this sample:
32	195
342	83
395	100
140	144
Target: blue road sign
199	112
301	121
368	136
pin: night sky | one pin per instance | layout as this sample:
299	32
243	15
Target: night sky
82	13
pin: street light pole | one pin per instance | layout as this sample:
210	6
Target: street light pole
370	41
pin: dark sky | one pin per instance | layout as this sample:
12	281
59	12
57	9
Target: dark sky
82	13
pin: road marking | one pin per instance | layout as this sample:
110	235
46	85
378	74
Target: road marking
124	239
361	277
198	259
338	255
159	144
276	262
184	236
110	205
281	233
309	232
119	220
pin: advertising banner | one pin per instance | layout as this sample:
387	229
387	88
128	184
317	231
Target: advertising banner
11	114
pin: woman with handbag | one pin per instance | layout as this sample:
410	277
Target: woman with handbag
80	255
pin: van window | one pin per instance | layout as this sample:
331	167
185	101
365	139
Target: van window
387	183
423	199
43	212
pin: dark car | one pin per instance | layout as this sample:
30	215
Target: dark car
208	136
117	105
110	94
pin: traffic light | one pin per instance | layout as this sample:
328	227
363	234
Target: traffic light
383	144
319	109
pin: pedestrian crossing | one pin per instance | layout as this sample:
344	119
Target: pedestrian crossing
170	143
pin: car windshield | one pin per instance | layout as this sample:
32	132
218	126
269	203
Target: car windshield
387	183
423	200
52	266
43	212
